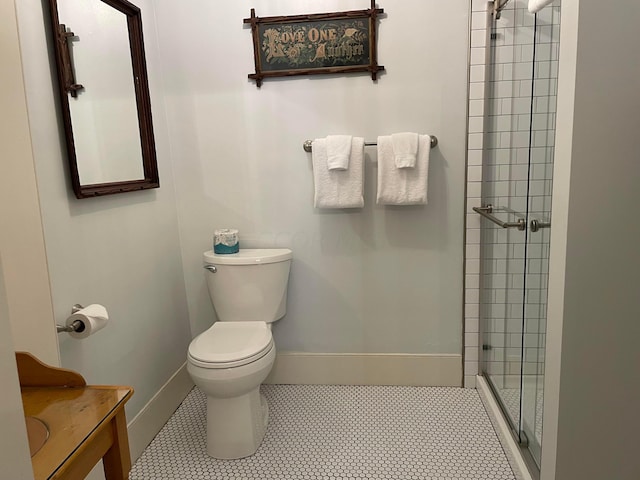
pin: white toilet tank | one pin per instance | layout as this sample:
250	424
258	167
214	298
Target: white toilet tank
250	285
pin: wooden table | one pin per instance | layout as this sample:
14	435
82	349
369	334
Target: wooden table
86	423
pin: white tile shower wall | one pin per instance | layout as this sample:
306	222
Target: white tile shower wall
480	23
501	134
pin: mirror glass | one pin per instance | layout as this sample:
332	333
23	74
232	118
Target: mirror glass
105	96
104	113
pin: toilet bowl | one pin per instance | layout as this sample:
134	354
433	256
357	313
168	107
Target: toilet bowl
228	363
230	360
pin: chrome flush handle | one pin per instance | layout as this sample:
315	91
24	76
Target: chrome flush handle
211	268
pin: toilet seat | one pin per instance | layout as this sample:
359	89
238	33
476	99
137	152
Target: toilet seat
231	344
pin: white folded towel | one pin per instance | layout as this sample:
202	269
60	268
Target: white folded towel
536	5
338	188
402	186
405	149
338	151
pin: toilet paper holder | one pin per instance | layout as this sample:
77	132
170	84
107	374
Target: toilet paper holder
76	326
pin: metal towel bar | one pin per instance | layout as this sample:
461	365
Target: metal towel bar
308	144
486	212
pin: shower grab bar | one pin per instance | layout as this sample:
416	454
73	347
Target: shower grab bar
486	212
308	144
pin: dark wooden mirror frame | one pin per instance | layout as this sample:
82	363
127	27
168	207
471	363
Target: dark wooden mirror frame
67	86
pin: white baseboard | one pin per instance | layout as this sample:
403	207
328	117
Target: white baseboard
150	420
299	368
509	445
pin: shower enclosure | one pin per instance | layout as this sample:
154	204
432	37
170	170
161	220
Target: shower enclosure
516	205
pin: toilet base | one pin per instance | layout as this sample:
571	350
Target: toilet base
237	425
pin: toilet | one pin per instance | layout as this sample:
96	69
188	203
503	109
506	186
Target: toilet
230	360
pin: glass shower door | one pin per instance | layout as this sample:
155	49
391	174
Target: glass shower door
516	195
505	185
541	157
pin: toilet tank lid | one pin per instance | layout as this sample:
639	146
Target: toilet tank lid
249	256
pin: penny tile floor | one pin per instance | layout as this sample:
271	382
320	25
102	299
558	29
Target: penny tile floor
326	432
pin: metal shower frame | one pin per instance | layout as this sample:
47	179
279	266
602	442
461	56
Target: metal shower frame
498	6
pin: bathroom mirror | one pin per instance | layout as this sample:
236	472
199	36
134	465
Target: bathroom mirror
104	94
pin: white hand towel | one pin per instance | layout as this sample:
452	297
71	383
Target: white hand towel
536	5
338	188
402	186
405	149
338	151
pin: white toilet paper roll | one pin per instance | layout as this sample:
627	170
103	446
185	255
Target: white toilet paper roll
94	317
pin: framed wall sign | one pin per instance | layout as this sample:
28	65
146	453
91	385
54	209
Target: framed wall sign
321	43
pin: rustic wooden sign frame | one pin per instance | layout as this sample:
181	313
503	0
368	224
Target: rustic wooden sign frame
340	42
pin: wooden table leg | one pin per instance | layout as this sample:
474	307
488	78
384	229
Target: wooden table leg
117	460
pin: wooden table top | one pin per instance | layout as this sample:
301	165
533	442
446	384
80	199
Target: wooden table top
72	414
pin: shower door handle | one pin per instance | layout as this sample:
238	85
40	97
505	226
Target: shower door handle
537	225
486	211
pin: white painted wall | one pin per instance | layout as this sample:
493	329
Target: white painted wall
592	388
14	447
21	239
380	279
17	167
122	251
